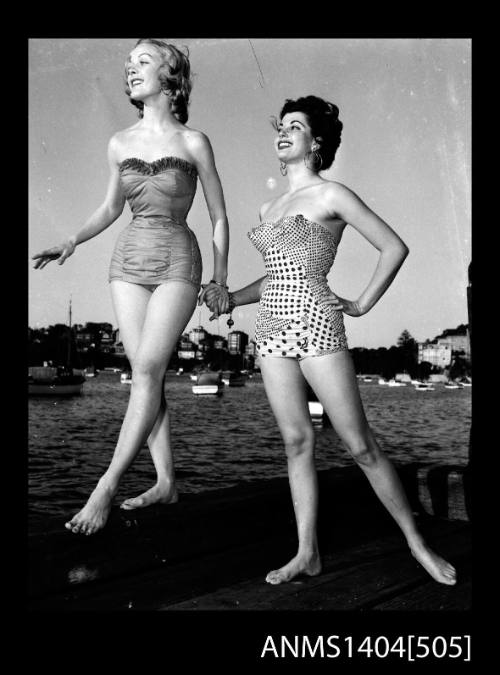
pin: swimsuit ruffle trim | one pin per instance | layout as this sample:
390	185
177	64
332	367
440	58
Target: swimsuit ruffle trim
159	165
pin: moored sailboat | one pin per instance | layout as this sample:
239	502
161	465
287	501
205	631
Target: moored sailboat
63	380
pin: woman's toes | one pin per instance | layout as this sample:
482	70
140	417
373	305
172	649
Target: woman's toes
273	578
129	504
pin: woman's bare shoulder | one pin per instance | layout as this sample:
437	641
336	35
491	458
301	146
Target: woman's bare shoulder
335	188
195	139
120	139
334	193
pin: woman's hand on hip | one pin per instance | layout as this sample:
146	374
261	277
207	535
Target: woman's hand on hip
349	307
59	253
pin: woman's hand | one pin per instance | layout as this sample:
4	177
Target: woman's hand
216	298
350	307
59	253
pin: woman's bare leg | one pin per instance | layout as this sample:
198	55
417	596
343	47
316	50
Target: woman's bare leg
164	491
333	379
168	311
130	311
285	389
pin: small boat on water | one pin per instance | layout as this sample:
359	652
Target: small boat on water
234	378
424	386
55	381
452	385
382	380
126	377
208	383
316	410
396	383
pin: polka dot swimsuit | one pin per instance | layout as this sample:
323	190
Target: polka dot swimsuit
291	320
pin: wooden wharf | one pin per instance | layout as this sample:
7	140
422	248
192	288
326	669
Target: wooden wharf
212	550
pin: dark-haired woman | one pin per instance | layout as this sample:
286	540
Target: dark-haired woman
155	271
300	328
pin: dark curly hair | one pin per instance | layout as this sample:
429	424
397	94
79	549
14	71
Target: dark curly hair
323	118
175	78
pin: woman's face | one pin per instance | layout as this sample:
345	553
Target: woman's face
294	137
142	69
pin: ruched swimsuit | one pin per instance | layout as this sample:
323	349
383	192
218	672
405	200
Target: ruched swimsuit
292	319
157	246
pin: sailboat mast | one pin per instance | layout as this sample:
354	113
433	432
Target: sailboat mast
69	334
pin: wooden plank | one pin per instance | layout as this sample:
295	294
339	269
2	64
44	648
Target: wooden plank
365	575
249	593
162	555
430	597
441	492
151	588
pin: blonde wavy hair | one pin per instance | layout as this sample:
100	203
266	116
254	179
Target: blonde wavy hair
175	78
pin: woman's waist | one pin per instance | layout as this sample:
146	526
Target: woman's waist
158	221
294	292
295	279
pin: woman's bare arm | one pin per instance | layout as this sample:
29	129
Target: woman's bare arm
341	202
110	209
201	150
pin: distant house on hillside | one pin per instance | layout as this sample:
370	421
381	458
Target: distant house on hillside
443	347
457	338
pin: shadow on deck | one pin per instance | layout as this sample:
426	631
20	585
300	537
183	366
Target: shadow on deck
213	549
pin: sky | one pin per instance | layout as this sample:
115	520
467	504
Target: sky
406	149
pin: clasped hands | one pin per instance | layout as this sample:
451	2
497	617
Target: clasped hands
216	298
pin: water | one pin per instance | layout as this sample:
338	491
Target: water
220	441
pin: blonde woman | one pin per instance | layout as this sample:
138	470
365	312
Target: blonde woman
155	270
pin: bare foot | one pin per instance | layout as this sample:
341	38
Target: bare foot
438	567
158	494
94	514
309	565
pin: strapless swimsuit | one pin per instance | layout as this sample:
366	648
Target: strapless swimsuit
157	246
292	320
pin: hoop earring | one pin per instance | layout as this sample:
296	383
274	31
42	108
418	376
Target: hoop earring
283	168
317	160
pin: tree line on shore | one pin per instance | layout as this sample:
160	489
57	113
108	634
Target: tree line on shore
51	345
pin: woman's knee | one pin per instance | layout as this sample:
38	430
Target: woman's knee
363	450
299	441
147	373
